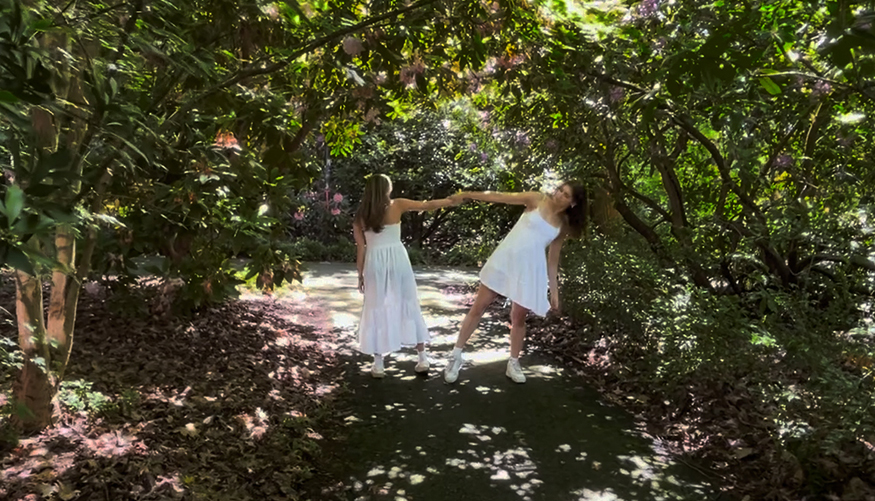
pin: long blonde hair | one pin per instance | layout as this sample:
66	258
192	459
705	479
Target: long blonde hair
374	203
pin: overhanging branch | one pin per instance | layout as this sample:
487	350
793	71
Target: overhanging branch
264	69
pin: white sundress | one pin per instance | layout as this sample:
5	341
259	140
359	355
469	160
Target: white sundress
517	269
391	315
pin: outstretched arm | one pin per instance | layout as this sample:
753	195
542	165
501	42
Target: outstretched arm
407	205
529	198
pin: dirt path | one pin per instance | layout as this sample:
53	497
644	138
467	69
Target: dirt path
484	438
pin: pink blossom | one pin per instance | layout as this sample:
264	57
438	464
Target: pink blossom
226	140
783	161
299	216
648	7
408	76
272	10
821	88
489	68
616	94
523	138
338	197
335	211
352	46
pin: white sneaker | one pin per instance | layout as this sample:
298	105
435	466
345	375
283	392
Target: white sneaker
514	371
377	370
451	371
422	365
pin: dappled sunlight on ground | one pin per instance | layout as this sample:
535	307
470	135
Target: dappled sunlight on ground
548	439
410	436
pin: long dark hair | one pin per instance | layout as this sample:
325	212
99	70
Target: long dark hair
577	212
375	201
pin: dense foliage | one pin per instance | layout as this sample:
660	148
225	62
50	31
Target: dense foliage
727	147
734	140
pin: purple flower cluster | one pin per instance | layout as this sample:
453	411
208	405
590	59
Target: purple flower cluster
821	88
783	161
648	7
616	94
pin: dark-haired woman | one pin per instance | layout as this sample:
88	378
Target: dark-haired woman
519	270
391	315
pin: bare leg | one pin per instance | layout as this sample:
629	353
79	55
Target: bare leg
517	329
484	298
420	347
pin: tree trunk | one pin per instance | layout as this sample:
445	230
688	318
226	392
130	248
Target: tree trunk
34	386
46	343
64	298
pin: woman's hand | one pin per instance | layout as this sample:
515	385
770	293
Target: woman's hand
361	284
457	199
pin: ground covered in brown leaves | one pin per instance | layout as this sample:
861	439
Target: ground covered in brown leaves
227	404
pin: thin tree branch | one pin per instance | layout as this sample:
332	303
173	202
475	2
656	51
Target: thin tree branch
858	261
263	69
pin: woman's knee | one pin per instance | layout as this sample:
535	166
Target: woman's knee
518	315
485	296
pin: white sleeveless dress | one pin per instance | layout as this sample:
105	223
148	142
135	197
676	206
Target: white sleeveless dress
391	315
517	269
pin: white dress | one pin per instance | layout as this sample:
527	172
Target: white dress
517	269
391	316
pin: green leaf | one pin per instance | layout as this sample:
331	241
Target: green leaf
14	203
7	97
852	117
58	161
770	86
41	190
130	145
16	259
41	24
